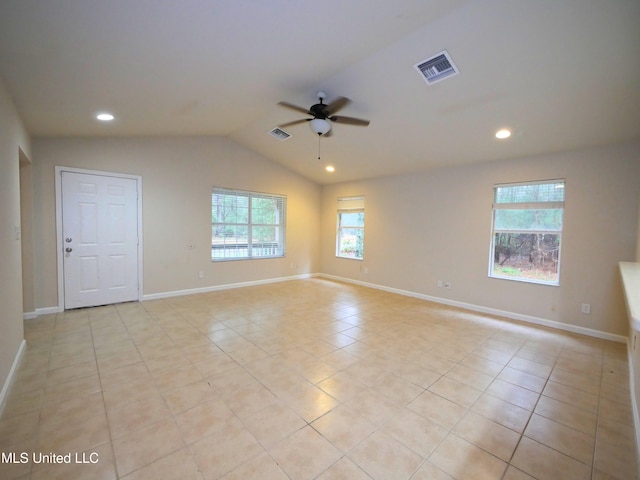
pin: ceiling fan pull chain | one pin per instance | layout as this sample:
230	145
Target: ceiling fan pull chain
319	146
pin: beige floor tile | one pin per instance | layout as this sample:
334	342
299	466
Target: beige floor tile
73	410
488	435
428	471
615	455
530	366
225	449
455	391
310	402
416	374
544	463
416	432
462	460
249	399
397	389
204	419
75	437
62	392
381	456
17	429
145	446
166	362
611	411
374	407
513	473
146	386
513	394
176	377
522	379
263	467
187	396
121	375
304	454
178	465
493	355
470	377
273	423
437	409
566	414
71	372
131	416
344	427
118	394
571	395
575	444
342	386
573	378
344	469
231	379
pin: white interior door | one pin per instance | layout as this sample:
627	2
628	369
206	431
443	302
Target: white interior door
99	239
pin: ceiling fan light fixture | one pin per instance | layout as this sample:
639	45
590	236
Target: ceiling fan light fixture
503	133
320	126
105	117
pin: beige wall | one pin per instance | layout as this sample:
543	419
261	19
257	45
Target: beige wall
177	176
13	138
436	225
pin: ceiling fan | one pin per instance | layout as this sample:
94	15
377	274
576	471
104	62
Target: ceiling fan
323	114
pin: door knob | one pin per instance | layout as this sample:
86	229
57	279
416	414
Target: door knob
68	239
68	249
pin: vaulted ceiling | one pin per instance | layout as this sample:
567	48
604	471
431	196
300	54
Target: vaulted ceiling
560	74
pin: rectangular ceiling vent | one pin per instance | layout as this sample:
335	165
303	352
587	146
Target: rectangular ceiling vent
279	133
436	68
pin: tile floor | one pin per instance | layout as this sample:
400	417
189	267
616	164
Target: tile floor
314	379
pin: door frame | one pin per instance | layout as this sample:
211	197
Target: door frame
59	232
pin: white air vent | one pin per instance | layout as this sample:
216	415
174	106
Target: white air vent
279	133
436	68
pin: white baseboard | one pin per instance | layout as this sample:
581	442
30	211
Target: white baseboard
492	311
47	310
477	308
634	400
29	315
228	286
14	368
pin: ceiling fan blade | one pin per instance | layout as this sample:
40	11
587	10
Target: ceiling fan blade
336	105
295	122
291	106
359	122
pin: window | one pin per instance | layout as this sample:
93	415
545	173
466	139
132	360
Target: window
350	238
247	225
527	231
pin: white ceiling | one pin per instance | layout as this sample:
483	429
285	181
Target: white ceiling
562	74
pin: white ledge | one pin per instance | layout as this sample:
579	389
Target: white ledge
630	272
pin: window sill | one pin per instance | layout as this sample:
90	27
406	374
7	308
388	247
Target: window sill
526	280
350	258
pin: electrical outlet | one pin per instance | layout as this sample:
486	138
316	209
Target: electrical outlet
586	308
439	283
200	274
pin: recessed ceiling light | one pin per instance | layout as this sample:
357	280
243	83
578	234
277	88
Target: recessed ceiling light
502	134
105	117
330	168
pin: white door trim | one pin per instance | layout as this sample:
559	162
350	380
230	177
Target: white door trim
59	244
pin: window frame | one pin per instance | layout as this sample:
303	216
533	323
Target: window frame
349	205
527	205
280	227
